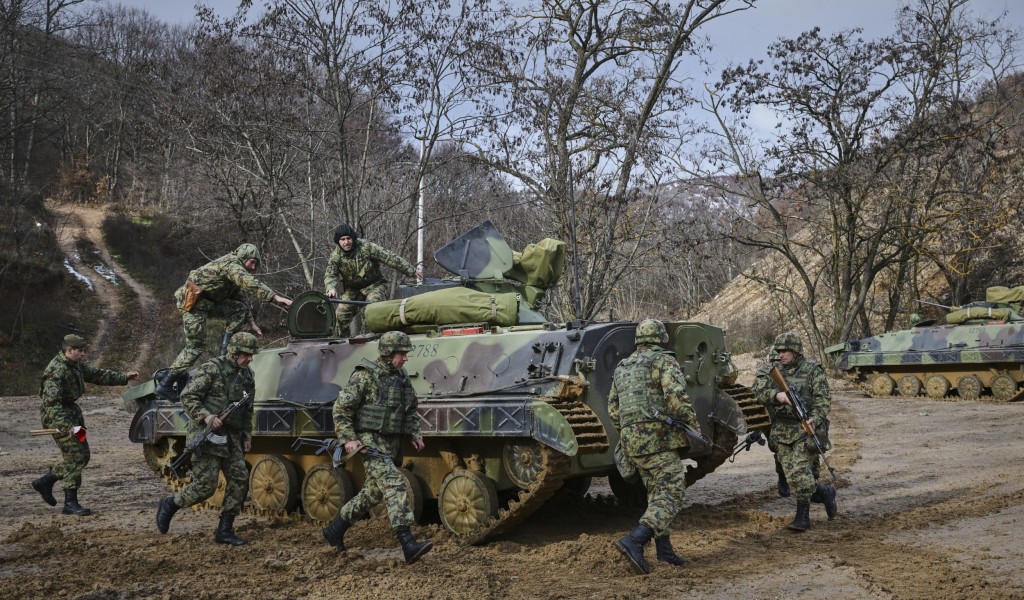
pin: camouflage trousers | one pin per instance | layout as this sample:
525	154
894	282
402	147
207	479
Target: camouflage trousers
665	479
383	482
205	471
194	323
801	467
74	457
344	313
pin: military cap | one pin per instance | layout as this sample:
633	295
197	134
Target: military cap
74	341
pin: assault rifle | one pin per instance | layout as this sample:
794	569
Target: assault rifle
802	413
754	437
337	450
207	435
689	431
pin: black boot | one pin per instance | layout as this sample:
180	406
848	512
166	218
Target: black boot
413	549
226	532
826	494
164	512
802	521
164	381
44	485
71	505
666	553
335	533
783	484
633	546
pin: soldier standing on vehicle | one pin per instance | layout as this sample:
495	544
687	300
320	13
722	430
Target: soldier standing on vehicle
649	383
218	383
217	289
354	271
63	383
376	411
795	449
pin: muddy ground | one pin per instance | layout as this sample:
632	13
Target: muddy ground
931	505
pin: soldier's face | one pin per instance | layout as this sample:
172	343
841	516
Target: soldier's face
250	264
345	242
398	359
75	354
243	359
786	356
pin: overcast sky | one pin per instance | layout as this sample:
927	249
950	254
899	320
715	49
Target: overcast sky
736	38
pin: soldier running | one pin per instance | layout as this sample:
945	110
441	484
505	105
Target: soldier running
650	382
377	411
63	383
795	450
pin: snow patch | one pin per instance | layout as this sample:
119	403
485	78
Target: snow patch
82	278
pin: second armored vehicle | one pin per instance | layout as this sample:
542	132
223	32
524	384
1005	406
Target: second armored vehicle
978	353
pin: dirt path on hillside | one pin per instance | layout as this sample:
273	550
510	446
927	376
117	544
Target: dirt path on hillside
931	506
79	221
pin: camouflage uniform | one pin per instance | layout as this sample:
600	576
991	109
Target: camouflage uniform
356	275
650	381
216	384
63	383
378	408
224	282
795	449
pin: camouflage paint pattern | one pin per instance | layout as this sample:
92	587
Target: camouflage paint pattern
62	384
982	350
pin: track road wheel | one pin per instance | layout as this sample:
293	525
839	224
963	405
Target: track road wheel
413	491
909	386
324	491
1003	387
936	386
522	462
217	499
160	455
467	501
274	484
969	387
882	385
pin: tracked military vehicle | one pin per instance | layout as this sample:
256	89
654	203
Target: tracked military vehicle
977	353
512	407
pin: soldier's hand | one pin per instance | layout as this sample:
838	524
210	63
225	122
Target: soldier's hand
133	375
213	421
286	302
256	329
418	445
782	398
246	446
331	294
351	445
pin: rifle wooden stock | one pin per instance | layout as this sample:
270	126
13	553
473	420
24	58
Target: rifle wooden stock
45	432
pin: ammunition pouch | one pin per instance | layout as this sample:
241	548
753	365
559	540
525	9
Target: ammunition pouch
821	431
192	293
626	468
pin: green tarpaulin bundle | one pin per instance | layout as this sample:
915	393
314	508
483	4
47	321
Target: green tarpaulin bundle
998	293
979	312
443	307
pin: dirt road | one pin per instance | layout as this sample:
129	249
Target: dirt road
932	505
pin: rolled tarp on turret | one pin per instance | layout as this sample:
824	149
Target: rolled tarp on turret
998	293
443	307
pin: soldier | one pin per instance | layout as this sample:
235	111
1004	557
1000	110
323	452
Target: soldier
375	412
216	290
354	269
795	450
645	385
62	385
218	383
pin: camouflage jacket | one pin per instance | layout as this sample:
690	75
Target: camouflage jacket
665	387
63	383
364	387
807	378
225	279
216	384
360	268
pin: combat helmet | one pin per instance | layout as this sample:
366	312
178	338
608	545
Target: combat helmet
393	341
651	331
246	251
789	341
243	341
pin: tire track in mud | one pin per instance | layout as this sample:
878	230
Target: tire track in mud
78	221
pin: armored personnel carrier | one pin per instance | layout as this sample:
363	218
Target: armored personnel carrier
512	407
977	353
